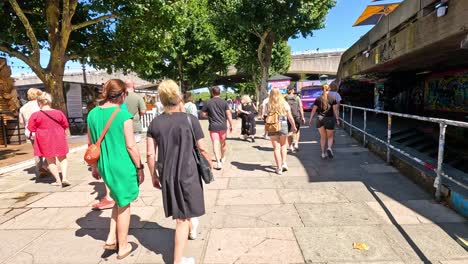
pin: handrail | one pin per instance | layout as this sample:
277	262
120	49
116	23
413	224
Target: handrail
440	156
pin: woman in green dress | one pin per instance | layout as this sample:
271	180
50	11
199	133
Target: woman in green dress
119	164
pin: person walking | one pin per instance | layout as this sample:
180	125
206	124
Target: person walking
297	112
119	164
25	113
247	112
189	106
264	113
327	116
218	113
50	140
137	107
174	135
278	110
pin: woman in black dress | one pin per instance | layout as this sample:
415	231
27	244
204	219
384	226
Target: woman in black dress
247	112
175	171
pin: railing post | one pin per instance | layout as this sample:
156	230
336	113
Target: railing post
365	126
344	109
351	122
389	135
440	161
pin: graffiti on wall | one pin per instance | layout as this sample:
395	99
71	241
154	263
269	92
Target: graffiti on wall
447	92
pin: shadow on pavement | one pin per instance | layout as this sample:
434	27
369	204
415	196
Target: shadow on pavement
150	235
252	167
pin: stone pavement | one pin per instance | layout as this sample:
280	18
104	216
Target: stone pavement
311	214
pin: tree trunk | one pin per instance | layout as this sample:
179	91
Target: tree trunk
265	64
54	85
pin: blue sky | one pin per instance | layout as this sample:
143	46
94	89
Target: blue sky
338	33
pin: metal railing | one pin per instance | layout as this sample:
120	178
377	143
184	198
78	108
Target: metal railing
443	123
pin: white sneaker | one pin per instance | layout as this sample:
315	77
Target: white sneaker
219	165
284	167
296	146
193	231
279	171
223	160
185	260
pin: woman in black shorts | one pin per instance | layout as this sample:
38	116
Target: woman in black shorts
327	115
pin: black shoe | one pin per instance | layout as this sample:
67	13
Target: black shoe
330	153
253	140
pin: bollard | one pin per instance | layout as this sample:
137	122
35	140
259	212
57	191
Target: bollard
389	136
365	126
440	161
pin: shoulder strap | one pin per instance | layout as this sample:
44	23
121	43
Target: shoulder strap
53	119
107	126
193	133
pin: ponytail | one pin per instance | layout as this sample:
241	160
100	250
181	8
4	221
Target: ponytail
324	96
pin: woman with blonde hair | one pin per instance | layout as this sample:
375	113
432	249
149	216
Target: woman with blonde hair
119	164
50	140
247	112
277	106
327	115
174	135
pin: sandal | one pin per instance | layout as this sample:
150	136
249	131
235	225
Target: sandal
110	246
132	248
65	183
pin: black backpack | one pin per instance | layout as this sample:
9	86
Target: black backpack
292	101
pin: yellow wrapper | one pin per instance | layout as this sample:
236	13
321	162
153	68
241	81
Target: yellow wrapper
360	246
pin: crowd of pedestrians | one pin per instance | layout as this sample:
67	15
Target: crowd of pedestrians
171	141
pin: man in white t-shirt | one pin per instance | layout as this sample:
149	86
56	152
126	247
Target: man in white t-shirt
25	113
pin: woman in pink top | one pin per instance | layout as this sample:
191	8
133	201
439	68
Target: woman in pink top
50	140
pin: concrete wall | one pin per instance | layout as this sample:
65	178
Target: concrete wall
406	31
316	63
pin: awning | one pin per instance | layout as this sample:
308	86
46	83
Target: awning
374	13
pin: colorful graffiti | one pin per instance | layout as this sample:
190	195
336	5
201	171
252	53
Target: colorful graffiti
447	92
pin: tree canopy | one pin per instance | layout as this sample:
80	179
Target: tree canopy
270	22
175	40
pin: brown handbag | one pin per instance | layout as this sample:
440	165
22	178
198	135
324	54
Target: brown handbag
94	150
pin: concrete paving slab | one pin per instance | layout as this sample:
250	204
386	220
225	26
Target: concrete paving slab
19	199
255	183
320	195
13	241
46	218
65	199
336	214
157	246
7	214
415	212
63	246
424	242
252	245
242	197
219	183
239	216
335	244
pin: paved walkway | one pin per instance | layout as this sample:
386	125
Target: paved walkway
312	214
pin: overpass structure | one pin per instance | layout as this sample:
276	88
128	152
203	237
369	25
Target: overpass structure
413	38
304	65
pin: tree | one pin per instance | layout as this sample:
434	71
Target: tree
270	22
175	40
247	62
62	27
